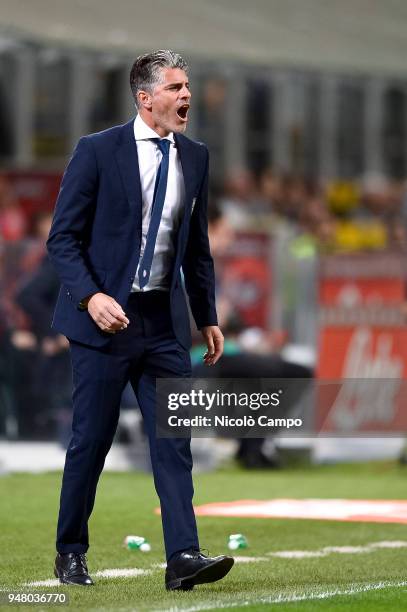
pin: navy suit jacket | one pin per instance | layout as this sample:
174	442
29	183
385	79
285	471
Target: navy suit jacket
95	238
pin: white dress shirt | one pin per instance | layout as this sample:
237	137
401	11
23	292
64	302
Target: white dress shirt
149	159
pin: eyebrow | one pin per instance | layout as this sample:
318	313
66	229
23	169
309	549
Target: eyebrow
177	84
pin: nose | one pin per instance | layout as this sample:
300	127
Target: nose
185	93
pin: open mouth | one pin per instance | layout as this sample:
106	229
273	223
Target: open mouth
182	112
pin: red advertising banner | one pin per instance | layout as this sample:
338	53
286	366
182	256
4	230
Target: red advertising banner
372	364
35	191
345	292
363	342
360	279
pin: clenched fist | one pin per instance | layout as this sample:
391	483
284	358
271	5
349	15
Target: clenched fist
107	313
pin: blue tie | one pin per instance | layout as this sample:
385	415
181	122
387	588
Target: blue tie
160	188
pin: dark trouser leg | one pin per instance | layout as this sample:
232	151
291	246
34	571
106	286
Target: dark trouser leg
171	459
98	382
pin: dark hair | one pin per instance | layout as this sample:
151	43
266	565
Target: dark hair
146	70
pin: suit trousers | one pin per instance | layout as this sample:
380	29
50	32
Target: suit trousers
145	350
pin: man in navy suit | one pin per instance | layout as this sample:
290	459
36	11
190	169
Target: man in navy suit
130	214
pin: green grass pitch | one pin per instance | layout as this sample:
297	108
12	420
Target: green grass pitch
125	505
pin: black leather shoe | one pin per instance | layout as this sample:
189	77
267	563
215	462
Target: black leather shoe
191	567
71	568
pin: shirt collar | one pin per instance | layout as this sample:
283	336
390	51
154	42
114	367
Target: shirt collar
143	132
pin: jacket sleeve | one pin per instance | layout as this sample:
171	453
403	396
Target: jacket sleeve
71	224
197	264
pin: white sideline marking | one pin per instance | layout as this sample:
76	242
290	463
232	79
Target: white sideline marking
250	559
129	573
342	550
390	544
297	554
107	573
347	550
122	573
283	554
354	590
43	583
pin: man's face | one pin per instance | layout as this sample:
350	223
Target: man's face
166	109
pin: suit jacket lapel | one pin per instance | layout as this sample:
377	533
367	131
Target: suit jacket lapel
187	158
188	164
127	160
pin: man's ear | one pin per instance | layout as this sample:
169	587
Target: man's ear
144	99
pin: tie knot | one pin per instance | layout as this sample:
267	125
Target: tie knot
163	144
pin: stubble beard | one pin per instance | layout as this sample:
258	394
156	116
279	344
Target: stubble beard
174	126
180	129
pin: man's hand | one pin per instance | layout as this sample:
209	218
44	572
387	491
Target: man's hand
107	313
214	341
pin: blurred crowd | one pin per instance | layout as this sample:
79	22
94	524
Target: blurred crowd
304	217
341	215
338	215
306	220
